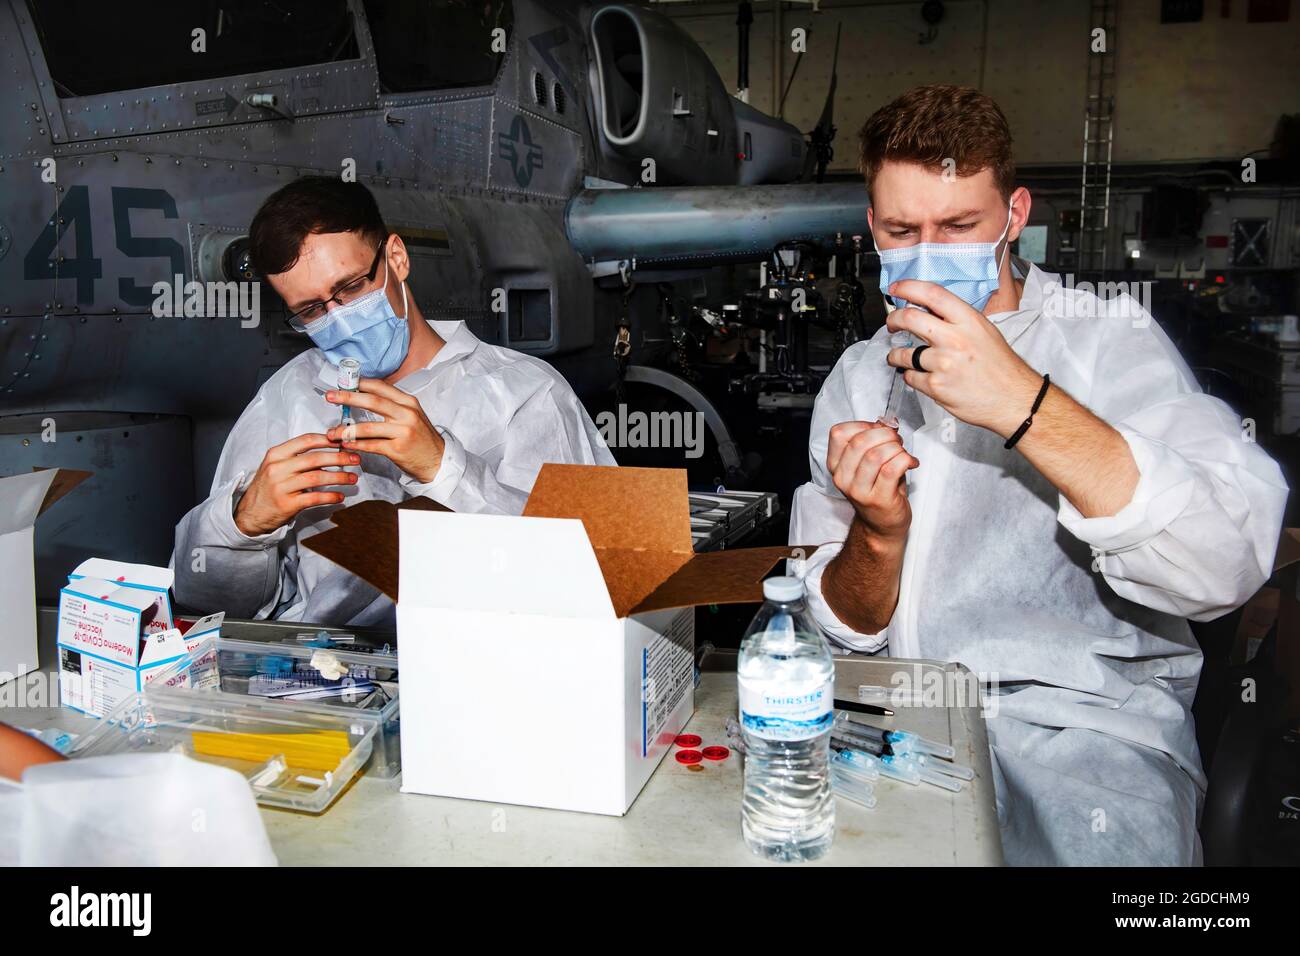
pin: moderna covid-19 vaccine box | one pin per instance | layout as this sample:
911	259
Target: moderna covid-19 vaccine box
116	633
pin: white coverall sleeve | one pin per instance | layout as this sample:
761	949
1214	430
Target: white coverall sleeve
821	516
545	428
1199	535
217	566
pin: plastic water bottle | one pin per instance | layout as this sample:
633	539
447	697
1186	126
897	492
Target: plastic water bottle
786	677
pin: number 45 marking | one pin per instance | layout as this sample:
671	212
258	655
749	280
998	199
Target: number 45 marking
85	267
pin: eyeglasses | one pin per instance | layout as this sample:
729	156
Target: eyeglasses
302	320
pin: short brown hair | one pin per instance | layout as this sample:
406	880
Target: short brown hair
307	206
930	124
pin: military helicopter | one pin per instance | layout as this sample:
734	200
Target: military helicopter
562	173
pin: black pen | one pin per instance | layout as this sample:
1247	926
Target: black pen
860	708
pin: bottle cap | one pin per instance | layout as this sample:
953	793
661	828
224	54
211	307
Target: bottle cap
783	589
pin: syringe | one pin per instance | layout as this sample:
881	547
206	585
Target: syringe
852	788
931	762
908	768
857	762
900	741
843	740
899	340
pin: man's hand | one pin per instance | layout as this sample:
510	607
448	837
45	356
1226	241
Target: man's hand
867	462
286	482
405	436
974	374
969	368
18	751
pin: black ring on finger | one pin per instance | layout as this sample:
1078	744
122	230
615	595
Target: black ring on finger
916	357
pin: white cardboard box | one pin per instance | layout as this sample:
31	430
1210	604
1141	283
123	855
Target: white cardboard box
547	659
23	498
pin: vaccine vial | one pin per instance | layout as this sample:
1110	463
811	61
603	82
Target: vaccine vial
349	374
349	381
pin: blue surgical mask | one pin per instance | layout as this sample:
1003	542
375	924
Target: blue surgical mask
365	330
969	270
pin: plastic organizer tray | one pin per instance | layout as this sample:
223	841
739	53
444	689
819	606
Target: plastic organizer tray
292	758
253	668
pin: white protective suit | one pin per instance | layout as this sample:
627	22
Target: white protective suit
502	414
1093	744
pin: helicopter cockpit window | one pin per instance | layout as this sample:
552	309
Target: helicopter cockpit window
438	44
160	42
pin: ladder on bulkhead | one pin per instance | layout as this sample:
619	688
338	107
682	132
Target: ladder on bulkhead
1098	140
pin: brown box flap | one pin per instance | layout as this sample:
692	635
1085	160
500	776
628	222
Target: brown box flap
640	509
638	522
633	576
364	539
719	577
64	482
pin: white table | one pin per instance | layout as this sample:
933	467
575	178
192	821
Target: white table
681	818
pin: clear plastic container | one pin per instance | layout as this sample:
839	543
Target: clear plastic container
283	674
292	759
786	687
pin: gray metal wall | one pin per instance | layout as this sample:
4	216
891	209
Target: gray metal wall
1212	89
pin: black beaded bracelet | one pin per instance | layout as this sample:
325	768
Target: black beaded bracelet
1020	432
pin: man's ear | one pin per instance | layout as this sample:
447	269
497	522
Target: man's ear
398	259
1020	206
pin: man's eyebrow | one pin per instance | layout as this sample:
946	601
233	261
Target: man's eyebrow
346	280
946	221
299	306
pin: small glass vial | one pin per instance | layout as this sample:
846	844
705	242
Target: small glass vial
349	381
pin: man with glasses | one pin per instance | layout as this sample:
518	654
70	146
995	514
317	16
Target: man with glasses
437	413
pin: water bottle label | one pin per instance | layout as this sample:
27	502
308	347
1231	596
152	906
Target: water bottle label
782	711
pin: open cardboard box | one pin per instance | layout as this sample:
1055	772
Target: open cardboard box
547	659
23	499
